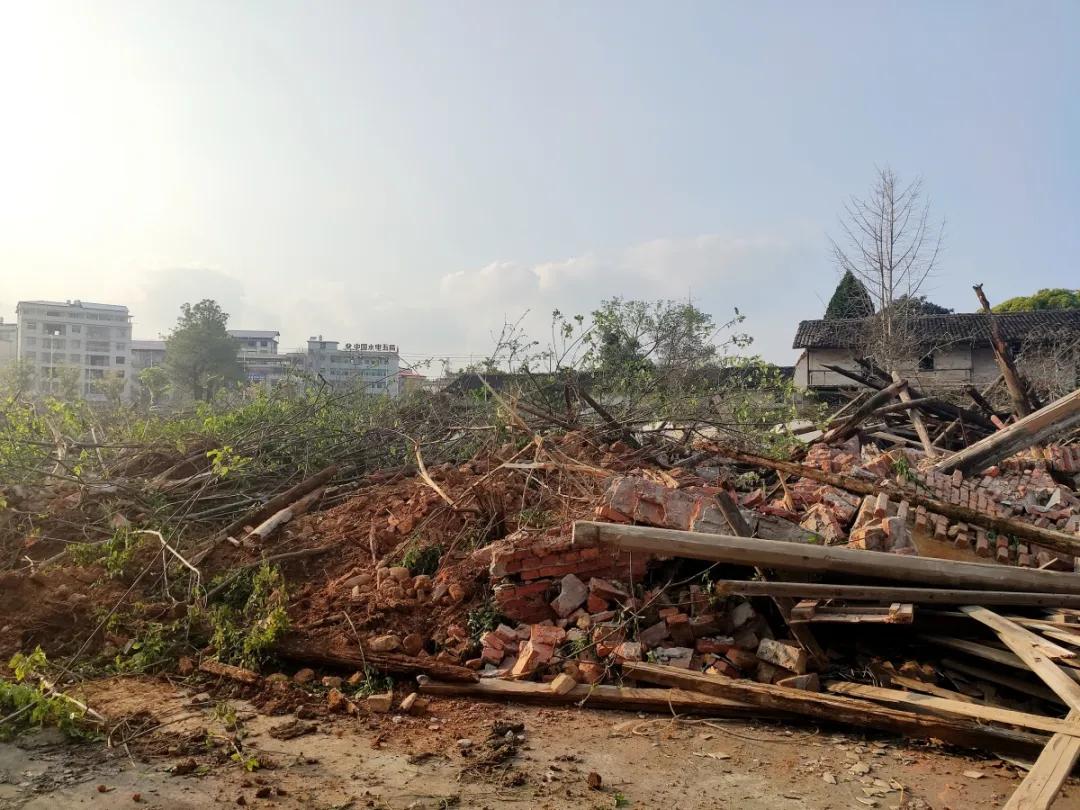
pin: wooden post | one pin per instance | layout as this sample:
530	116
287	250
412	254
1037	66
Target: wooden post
916	418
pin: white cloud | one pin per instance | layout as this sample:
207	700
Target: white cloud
719	272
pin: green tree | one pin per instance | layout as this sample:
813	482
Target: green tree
850	299
908	306
111	386
1055	298
17	378
155	381
66	384
200	356
632	341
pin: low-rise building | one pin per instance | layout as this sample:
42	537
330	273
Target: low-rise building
74	338
146	353
953	350
374	366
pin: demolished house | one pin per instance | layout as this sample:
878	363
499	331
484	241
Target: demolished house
910	570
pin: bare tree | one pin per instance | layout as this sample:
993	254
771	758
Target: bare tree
890	244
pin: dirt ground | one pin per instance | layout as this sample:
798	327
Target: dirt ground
402	761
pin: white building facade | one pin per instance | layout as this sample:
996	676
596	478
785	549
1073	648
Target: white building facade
374	366
9	336
74	338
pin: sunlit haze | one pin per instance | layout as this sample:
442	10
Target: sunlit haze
416	173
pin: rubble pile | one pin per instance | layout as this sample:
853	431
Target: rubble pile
593	564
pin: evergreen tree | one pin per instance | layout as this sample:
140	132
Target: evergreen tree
850	300
200	356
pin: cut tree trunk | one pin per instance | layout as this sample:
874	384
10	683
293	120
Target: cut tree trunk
1019	391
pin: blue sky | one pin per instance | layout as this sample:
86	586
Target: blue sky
418	172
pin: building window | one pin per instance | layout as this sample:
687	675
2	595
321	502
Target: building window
97	360
119	360
76	328
30	341
926	362
29	325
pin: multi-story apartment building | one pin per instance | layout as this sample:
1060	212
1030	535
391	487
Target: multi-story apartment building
256	341
91	340
374	365
9	334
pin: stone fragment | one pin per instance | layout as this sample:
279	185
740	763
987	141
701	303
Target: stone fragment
654	635
336	701
381	702
741	614
627	651
810	682
572	595
783	654
562	684
304	676
607	590
412	644
387	643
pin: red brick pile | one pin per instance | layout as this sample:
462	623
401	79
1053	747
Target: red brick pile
689	628
1021	488
526	569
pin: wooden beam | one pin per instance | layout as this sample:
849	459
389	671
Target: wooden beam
1020	642
869	593
734	517
1024	687
1051	538
310	652
850	426
1002	626
1057	417
955	708
988	653
599	696
834	708
1043	782
915	685
916	419
937	407
1040	787
805	557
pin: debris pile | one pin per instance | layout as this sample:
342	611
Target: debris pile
866	581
